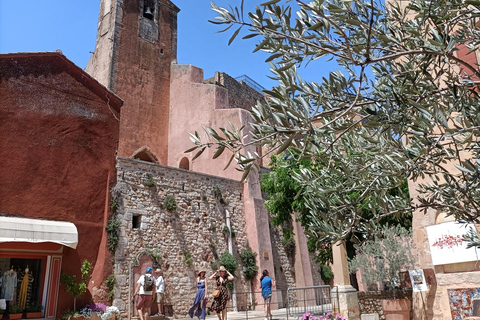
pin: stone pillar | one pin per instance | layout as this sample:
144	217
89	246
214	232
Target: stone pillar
345	296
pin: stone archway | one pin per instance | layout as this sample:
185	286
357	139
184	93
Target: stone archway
143	260
145	154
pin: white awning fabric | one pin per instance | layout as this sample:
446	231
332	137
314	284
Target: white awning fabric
14	229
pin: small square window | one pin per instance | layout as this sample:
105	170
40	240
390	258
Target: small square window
136	221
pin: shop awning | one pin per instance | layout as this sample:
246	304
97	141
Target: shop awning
14	229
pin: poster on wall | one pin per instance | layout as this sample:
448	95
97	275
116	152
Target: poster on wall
447	244
463	302
418	280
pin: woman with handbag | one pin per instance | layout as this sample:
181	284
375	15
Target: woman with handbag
199	307
220	295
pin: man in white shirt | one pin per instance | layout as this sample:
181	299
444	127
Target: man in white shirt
160	286
144	289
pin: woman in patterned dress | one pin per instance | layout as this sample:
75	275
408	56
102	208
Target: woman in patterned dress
222	276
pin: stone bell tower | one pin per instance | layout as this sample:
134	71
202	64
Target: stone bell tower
136	43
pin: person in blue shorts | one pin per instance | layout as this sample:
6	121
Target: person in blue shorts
267	283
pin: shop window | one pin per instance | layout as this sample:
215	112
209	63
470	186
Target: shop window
22	280
136	221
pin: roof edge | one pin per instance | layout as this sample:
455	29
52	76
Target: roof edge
77	73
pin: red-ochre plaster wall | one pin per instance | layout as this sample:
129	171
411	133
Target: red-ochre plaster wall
57	150
141	77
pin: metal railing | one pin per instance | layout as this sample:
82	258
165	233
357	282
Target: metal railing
251	83
285	304
317	300
251	305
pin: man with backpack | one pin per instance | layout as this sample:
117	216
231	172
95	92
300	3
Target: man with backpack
145	288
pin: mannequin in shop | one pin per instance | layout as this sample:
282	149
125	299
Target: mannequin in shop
9	284
22	297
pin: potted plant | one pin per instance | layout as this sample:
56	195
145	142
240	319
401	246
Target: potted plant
72	315
380	261
74	287
15	311
33	310
93	311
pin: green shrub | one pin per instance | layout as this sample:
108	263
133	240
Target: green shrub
110	283
230	263
33	307
249	262
326	273
114	204
169	203
76	289
15	308
187	258
112	227
383	258
150	182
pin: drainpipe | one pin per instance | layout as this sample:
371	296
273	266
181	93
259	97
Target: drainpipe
230	249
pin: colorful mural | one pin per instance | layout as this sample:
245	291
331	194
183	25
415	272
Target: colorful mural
461	302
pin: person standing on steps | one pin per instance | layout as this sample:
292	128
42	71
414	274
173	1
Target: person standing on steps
160	286
267	282
199	308
144	289
222	276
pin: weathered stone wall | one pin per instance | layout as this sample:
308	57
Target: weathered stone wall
240	95
283	261
371	301
195	227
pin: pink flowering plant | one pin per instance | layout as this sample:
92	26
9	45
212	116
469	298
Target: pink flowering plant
329	316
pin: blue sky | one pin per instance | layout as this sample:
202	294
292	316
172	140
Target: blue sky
71	26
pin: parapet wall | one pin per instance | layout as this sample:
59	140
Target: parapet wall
240	95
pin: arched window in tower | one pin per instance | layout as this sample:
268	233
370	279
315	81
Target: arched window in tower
148	27
145	154
149	9
184	164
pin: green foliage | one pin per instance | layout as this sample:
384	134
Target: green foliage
110	283
217	193
2	311
226	231
384	257
169	203
154	254
15	309
114	204
150	181
67	314
373	122
326	273
249	262
230	263
112	228
187	258
33	307
284	192
289	245
74	287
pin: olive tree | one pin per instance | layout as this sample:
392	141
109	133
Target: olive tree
402	105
